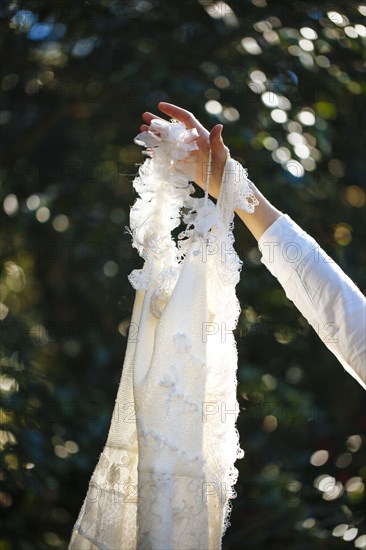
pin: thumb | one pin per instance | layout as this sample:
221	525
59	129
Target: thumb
219	150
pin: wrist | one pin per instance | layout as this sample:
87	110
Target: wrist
264	215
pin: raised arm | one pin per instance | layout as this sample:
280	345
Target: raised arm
329	300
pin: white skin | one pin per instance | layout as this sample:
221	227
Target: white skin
264	214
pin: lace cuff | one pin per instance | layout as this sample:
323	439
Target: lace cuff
244	198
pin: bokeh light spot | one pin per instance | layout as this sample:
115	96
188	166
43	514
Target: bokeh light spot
15	277
336	168
231	114
351	32
60	223
270	143
309	33
343	460
282	154
355	196
10	204
351	534
340	530
33	202
322	61
110	268
337	18
43	214
302	151
355	485
278	115
319	457
361	30
4	310
307	117
269	381
306	45
360	542
251	46
213	107
342	234
270	423
270	99
295	168
258	76
326	109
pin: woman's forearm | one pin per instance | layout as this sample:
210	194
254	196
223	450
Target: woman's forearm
262	217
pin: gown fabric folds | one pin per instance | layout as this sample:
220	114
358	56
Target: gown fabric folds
166	475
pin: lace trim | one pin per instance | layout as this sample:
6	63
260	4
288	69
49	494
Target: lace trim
164	190
112	488
244	196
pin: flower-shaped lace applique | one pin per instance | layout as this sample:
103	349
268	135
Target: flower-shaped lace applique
173	139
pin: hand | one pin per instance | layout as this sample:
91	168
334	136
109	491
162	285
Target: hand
198	159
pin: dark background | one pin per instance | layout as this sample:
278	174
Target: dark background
75	78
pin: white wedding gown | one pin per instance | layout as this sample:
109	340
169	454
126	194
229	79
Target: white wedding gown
166	474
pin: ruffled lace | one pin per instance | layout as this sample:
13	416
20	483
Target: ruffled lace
164	190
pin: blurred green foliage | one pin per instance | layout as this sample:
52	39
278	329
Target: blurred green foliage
286	79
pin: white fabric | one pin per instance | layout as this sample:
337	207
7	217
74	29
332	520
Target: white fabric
329	300
165	477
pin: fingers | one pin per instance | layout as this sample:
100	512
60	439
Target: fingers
173	111
148	117
180	114
217	145
215	135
